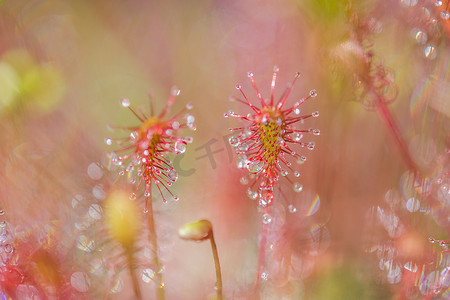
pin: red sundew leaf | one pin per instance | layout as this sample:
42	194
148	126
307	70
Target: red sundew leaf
143	154
268	139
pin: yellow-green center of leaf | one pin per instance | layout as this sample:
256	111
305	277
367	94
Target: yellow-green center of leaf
271	127
151	131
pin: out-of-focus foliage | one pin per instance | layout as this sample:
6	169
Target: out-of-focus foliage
346	282
28	84
122	218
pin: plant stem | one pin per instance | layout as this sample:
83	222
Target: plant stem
217	265
393	128
261	257
153	241
134	280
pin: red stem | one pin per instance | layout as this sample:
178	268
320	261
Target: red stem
393	128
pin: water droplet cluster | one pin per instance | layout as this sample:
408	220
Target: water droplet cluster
416	197
16	244
427	20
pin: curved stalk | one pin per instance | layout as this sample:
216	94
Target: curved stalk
217	265
201	231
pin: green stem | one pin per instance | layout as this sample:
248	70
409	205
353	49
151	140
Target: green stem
153	240
217	265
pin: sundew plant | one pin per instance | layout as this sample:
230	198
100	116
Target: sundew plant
115	184
266	145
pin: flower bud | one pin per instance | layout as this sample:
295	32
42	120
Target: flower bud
196	231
